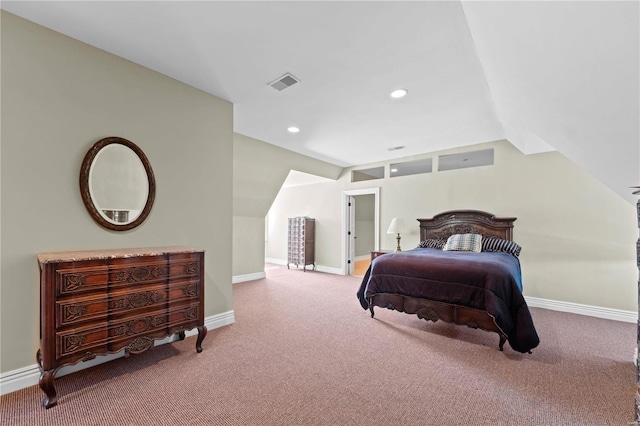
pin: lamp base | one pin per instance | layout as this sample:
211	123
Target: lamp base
398	239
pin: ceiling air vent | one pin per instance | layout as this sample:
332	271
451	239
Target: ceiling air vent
283	82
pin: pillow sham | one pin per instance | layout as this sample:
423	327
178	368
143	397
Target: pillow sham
432	243
464	242
498	244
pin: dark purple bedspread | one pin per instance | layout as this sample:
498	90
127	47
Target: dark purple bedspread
487	281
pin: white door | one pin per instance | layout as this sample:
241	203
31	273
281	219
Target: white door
349	225
352	233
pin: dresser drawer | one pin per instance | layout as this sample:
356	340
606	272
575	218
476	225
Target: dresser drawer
116	334
123	304
74	310
127	273
70	311
72	280
184	291
120	274
152	326
82	340
112	336
185	265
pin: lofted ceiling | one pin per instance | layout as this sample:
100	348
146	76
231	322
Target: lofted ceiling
546	75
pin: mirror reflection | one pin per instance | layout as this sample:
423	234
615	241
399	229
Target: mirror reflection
118	184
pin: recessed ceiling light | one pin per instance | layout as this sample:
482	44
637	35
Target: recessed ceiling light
399	93
394	170
293	129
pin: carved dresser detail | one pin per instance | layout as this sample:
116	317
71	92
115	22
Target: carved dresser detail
100	302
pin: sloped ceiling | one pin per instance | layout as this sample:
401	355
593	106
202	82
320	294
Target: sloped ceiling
544	75
566	75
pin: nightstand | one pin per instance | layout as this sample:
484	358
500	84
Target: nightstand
375	254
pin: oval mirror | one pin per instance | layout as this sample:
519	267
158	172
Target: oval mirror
117	184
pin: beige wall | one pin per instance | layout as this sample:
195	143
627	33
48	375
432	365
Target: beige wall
248	245
578	236
365	225
321	201
259	170
60	96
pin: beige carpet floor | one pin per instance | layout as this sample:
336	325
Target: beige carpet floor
303	352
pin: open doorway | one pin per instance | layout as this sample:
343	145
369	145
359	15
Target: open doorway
361	229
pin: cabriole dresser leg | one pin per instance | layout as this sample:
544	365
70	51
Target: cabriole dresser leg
47	386
202	332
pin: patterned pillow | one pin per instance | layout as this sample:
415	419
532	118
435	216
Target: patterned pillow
498	244
464	242
432	243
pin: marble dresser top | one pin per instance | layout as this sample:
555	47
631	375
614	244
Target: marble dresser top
71	256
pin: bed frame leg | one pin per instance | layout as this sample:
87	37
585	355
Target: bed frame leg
371	309
503	339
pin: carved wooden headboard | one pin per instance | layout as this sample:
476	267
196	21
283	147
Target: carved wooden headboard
443	225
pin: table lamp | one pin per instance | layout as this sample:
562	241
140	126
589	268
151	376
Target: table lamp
398	227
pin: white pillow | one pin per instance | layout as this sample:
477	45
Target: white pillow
464	242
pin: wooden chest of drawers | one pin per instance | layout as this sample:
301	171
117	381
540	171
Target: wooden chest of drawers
100	302
301	242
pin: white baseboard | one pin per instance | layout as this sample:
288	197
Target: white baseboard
248	277
588	310
329	270
534	302
18	379
320	268
28	376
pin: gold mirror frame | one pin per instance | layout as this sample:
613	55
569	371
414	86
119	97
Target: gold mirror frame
85	192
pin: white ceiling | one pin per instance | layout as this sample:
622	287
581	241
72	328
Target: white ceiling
545	75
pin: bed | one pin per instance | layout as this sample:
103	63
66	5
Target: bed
481	290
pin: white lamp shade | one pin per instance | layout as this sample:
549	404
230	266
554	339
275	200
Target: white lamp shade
398	226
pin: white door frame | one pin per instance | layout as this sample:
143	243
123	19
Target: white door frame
351	233
345	222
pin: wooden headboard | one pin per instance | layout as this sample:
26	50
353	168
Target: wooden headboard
443	225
